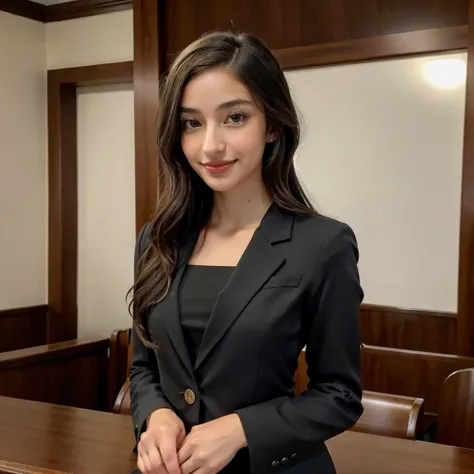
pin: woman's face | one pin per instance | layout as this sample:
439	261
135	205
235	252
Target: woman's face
223	130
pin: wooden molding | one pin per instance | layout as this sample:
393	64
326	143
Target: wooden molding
63	11
24	8
374	48
83	8
62	143
466	243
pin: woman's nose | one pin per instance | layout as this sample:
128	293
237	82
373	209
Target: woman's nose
213	142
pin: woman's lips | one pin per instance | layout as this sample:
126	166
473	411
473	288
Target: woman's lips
218	168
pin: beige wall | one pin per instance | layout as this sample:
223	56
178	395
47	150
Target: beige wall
383	151
92	40
23	163
106	202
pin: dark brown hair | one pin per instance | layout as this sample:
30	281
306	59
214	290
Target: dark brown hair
184	201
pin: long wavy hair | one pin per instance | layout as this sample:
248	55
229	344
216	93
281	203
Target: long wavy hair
184	201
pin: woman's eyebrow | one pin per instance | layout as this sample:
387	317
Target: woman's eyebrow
223	106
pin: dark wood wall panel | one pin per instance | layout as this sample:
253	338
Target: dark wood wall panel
427	331
73	373
149	63
292	23
23	327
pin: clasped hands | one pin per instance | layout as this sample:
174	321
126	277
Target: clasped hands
165	449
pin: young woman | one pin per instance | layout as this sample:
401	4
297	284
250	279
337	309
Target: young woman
236	273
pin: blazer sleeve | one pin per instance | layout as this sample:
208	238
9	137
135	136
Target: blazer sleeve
145	390
288	427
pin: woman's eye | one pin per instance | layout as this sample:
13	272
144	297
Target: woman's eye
237	118
191	124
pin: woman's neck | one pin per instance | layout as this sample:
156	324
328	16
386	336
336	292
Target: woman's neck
238	210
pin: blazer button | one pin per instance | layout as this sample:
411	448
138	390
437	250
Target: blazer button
189	396
294	455
284	460
275	463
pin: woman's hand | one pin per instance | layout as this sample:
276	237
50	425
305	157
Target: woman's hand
158	446
211	446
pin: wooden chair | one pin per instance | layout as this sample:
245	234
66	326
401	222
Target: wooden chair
456	410
390	415
119	363
122	402
384	414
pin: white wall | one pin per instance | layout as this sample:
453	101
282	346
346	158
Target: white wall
106	208
97	39
23	163
383	152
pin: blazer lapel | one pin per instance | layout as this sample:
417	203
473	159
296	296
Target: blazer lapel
170	310
257	264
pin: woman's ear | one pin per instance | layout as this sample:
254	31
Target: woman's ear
271	137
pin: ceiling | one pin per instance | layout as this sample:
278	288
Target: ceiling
52	2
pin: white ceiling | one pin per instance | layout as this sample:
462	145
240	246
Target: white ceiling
52	2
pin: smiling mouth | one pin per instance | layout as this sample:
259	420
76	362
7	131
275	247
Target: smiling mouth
219	167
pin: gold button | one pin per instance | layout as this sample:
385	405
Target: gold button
189	396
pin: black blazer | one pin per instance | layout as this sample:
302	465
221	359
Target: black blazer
296	284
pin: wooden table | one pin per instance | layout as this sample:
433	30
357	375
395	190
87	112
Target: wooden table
70	440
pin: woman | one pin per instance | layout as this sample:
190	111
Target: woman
236	273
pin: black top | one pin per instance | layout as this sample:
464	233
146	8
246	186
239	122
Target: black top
198	293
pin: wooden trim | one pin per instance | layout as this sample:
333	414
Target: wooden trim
100	74
62	143
84	8
24	8
63	11
31	311
466	243
149	64
374	48
370	49
404	311
41	354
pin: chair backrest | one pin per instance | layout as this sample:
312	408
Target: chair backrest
456	410
390	415
122	402
119	362
384	414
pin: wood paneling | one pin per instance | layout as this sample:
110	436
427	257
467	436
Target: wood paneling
466	244
374	48
294	23
25	8
63	11
402	372
70	373
83	8
149	64
62	144
399	328
22	327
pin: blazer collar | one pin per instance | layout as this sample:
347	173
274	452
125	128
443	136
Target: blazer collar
258	263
